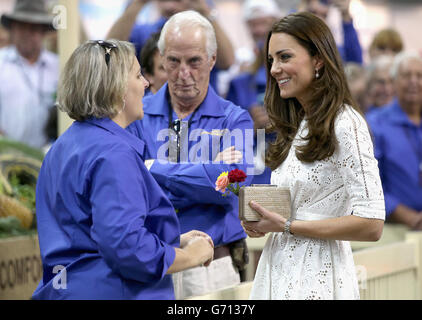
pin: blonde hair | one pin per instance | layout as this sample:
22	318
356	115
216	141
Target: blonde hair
89	87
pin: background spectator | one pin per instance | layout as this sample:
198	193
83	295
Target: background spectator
28	75
248	89
380	87
125	28
357	80
351	50
4	37
151	63
397	131
386	42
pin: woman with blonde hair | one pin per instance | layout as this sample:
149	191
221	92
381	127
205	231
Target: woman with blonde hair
323	154
106	230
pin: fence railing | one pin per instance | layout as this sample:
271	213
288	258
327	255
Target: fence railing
388	269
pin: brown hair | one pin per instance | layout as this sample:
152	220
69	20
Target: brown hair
329	94
387	38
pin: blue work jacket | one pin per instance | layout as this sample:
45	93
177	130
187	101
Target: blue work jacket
106	230
398	149
190	183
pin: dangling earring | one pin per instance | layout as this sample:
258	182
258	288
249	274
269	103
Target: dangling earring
316	73
124	105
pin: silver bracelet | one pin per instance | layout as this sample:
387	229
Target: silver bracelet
287	226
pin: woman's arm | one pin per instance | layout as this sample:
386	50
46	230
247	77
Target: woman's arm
351	228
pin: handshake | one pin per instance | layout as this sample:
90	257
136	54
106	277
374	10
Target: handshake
199	247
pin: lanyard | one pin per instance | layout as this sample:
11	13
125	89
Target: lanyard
175	126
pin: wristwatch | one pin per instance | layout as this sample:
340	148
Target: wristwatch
287	226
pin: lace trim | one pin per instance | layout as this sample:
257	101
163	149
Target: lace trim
360	156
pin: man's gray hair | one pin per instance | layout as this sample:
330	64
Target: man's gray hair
191	19
400	58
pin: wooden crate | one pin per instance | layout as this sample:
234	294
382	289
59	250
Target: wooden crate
20	267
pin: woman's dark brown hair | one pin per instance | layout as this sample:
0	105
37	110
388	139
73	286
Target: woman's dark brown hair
329	94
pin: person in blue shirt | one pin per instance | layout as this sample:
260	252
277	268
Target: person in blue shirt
351	50
106	230
380	89
152	66
248	88
397	133
125	28
188	156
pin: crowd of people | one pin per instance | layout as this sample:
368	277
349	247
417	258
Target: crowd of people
344	135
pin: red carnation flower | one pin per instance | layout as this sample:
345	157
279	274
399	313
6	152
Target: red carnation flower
237	175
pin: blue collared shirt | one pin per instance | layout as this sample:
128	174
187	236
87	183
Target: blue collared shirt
191	186
102	216
398	149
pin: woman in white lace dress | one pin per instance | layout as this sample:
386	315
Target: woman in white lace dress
324	154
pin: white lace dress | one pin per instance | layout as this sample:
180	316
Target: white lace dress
295	267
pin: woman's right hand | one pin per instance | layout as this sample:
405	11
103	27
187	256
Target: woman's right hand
201	250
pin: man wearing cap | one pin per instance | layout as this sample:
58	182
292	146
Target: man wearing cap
29	74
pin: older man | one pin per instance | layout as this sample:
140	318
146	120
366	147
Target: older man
29	74
126	28
380	89
397	129
202	124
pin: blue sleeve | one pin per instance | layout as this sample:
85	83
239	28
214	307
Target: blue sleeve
119	200
242	93
134	129
352	51
190	184
391	202
137	37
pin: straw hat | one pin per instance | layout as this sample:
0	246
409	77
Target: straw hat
29	11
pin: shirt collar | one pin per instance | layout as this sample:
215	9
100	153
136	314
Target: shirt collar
114	128
158	104
398	115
